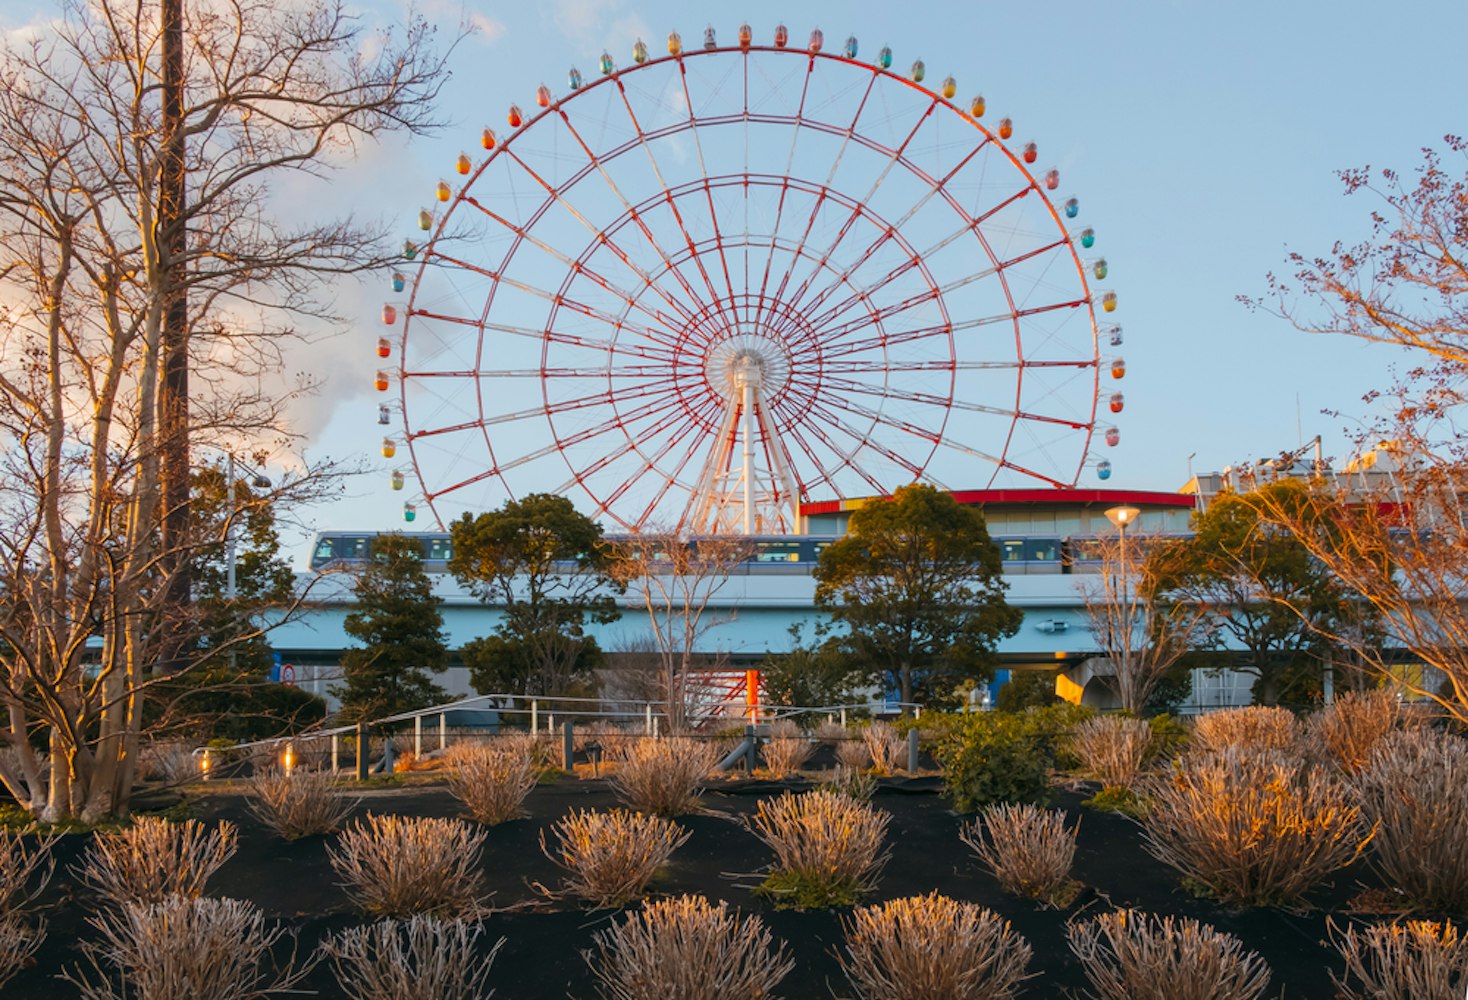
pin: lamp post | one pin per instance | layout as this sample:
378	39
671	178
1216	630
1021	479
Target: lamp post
1121	517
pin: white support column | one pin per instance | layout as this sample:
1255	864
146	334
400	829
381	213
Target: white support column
747	383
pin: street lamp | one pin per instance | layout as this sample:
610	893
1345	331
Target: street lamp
1121	517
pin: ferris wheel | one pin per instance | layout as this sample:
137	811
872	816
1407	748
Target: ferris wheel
705	287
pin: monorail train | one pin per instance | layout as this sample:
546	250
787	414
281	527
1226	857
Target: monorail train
1024	554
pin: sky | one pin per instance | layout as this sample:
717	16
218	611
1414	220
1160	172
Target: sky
1202	138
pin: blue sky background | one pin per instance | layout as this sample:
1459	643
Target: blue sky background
1202	139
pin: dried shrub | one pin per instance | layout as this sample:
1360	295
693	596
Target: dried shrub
491	782
1415	789
185	949
852	754
1028	849
1129	955
398	866
884	746
1257	727
1349	729
422	956
1253	828
787	749
534	746
26	866
856	785
1112	749
171	762
828	847
832	731
610	856
154	859
18	942
932	946
688	949
1419	960
663	777
299	803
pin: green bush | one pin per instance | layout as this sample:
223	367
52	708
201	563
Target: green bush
993	757
1169	736
1027	689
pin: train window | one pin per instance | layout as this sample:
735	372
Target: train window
437	548
1087	550
782	551
325	551
353	547
1011	549
1042	549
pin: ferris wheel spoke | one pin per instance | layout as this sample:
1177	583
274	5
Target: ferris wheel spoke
631	444
576	268
915	262
860	440
893	228
913	258
601	237
708	189
784	187
1002	463
668	198
555	299
948	402
895	157
670	477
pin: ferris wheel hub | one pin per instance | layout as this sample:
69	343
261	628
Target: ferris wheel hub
751	360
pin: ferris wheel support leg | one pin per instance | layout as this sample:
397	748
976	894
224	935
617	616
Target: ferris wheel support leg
748	390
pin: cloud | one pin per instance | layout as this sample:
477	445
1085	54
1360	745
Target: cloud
594	25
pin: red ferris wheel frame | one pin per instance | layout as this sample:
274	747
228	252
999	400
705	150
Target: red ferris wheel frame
821	354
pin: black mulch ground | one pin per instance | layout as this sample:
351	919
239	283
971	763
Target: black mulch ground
544	940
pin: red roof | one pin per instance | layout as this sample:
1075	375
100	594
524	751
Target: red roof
1047	497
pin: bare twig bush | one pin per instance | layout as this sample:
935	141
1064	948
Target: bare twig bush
1415	788
1255	828
26	866
884	746
787	749
299	803
831	731
422	956
154	859
1028	849
534	746
855	785
491	782
663	777
18	942
171	762
1129	955
828	847
1349	729
398	866
688	949
609	857
932	946
1419	960
1257	727
185	949
1112	749
852	754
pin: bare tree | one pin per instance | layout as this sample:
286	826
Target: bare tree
675	578
88	272
1142	636
1390	526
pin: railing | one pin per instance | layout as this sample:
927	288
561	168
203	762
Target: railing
539	713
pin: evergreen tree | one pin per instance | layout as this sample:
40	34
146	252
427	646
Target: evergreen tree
916	582
400	626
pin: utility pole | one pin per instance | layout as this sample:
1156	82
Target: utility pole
173	417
